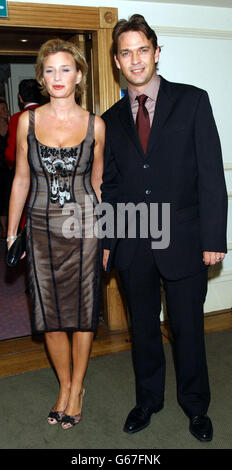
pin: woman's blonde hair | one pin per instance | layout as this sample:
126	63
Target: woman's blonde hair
59	45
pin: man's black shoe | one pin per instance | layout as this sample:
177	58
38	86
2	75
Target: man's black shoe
201	428
139	418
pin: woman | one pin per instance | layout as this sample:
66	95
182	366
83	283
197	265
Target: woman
60	156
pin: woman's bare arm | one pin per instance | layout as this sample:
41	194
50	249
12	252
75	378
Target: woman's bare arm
21	182
98	162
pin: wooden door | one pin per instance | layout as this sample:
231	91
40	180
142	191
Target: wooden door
96	21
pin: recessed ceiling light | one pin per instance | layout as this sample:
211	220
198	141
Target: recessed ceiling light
23	40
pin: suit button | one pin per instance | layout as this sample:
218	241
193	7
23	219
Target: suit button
146	165
148	191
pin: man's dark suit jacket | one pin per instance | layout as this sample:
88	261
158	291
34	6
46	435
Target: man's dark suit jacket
183	166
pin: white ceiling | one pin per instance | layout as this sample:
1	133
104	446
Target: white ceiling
208	3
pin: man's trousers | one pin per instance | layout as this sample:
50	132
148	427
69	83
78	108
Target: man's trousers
184	302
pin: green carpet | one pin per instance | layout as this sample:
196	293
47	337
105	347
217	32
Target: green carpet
27	398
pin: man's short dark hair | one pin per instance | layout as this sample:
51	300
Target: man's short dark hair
29	90
135	23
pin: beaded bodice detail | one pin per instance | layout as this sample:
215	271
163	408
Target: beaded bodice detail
59	163
60	175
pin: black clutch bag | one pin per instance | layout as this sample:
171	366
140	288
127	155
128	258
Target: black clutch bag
17	249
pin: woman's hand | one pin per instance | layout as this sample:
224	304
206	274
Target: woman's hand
106	254
10	243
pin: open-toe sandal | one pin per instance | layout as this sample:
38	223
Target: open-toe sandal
54	416
69	421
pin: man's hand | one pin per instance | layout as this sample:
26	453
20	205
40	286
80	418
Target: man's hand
211	257
105	258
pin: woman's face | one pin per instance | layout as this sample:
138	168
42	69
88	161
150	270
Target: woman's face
60	75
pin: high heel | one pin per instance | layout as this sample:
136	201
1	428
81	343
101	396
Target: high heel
55	417
68	421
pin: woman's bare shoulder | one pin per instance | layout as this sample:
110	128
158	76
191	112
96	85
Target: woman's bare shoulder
99	126
99	123
42	110
23	122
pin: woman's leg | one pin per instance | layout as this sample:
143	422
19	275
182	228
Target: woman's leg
81	347
58	345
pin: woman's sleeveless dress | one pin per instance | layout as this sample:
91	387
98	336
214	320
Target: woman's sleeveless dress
63	250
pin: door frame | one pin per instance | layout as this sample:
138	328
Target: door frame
99	21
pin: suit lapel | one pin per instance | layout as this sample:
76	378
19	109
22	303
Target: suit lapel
127	121
163	108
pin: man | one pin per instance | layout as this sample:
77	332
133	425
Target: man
29	97
162	147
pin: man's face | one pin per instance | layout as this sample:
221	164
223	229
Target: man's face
136	59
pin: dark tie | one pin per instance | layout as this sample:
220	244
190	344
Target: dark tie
143	121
